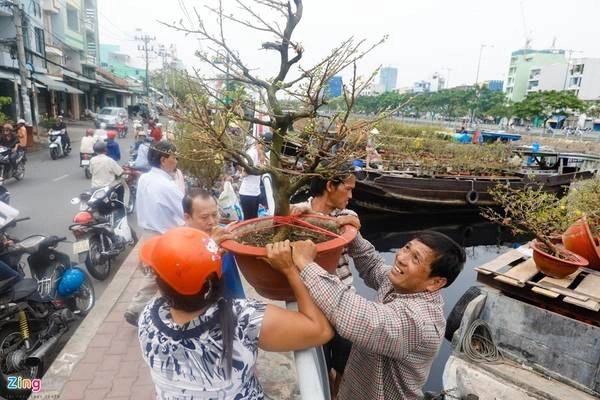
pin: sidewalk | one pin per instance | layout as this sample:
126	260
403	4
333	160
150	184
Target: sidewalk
103	360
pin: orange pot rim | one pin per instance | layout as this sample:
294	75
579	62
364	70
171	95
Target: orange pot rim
581	261
348	234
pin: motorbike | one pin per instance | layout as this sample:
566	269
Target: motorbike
58	147
30	327
7	169
51	269
101	227
84	162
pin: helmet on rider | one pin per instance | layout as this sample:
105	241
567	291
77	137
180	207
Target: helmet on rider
100	147
89	131
102	125
111	134
184	258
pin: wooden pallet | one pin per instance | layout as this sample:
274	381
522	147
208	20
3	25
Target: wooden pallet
517	269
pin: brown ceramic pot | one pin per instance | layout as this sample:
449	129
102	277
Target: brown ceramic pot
269	282
578	238
553	266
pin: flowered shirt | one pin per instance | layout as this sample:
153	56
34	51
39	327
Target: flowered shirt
186	360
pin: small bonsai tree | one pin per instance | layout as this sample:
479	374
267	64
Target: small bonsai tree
531	210
238	96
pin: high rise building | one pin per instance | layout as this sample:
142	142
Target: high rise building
495	85
522	62
387	78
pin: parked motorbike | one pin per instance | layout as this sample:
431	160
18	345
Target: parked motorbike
59	279
30	326
58	147
101	227
7	169
84	162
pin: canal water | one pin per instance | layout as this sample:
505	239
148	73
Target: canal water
483	241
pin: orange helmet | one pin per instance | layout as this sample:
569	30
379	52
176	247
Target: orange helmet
111	134
183	257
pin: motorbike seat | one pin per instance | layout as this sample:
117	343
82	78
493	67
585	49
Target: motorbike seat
26	288
6	284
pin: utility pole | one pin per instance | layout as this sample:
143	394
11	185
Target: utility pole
21	59
146	48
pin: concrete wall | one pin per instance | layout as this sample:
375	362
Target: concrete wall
551	77
521	64
590	80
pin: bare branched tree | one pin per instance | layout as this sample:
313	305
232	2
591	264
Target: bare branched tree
323	143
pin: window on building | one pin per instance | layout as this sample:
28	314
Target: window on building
39	41
72	18
37	10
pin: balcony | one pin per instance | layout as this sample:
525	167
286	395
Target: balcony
90	60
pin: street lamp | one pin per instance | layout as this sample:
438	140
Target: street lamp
479	62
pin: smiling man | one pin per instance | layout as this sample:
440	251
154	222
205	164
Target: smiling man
396	337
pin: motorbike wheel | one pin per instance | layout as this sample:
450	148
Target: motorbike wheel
19	171
54	153
84	299
88	173
12	342
98	270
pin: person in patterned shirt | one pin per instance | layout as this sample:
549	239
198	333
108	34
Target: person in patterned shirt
396	337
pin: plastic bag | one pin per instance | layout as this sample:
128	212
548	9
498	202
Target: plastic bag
229	204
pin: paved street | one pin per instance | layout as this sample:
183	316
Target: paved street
45	193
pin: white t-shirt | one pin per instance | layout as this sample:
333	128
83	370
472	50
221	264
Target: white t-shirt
87	145
251	183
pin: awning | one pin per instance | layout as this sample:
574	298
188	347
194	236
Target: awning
112	89
8	75
56	85
78	77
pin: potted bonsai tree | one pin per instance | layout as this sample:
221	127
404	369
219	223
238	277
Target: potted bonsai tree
220	118
543	215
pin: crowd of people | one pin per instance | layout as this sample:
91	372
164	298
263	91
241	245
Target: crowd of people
200	335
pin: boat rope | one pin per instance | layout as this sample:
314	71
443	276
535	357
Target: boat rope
478	345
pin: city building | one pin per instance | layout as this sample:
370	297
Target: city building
495	85
421	87
437	83
374	89
583	78
547	77
119	63
388	77
521	63
334	87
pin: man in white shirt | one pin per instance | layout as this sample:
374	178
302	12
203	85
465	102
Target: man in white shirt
103	168
159	208
87	142
250	193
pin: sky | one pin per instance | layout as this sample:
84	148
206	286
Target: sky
424	36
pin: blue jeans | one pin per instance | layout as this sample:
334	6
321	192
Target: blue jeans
7	272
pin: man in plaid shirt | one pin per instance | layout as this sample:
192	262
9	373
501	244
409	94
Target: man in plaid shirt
396	337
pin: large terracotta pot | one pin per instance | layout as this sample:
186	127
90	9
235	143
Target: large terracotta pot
553	266
578	238
269	282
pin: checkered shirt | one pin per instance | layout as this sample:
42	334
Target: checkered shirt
394	338
343	269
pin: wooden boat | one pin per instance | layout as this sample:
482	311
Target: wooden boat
405	192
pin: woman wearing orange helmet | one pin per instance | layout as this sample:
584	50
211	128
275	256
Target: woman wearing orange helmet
112	147
200	345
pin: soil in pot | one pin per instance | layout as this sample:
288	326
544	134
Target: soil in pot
553	266
267	281
263	236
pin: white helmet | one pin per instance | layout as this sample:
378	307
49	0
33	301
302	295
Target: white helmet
102	125
21	121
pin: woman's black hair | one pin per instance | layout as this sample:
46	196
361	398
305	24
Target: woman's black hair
211	293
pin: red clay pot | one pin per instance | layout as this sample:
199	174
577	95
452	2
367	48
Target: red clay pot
578	238
553	266
269	282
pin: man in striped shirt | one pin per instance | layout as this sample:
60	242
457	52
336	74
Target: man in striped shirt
396	337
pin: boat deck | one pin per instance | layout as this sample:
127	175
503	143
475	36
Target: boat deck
514	273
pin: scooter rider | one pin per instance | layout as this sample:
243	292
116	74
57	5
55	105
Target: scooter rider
104	169
10	140
141	153
60	125
112	147
87	142
100	133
